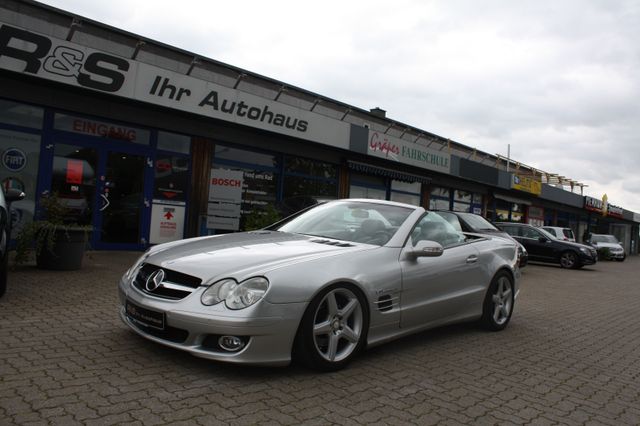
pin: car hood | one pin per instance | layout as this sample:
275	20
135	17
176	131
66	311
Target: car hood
572	244
241	255
607	245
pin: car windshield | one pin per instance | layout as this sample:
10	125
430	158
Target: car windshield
548	234
604	239
477	222
354	221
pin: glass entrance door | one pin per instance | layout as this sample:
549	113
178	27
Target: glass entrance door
122	199
104	188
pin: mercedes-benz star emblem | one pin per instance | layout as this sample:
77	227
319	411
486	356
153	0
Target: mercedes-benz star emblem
155	280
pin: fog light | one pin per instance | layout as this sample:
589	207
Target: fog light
231	343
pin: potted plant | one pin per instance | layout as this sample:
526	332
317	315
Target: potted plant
58	242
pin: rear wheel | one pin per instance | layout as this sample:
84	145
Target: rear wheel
569	260
498	303
333	329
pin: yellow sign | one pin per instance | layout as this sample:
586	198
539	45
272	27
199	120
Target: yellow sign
526	184
605	205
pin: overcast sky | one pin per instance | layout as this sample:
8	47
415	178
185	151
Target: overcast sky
559	81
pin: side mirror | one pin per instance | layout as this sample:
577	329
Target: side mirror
426	248
542	239
13	194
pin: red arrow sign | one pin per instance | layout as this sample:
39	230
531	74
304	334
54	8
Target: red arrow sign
168	215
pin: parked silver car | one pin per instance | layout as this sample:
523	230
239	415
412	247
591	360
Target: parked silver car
320	286
608	246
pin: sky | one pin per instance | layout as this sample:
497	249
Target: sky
556	81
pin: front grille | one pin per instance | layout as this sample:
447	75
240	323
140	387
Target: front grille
174	286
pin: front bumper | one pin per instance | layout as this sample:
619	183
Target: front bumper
269	329
586	259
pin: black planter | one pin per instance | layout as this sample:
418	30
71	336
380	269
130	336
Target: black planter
67	251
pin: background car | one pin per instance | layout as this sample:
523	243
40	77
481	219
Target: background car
614	249
469	222
544	247
565	234
6	199
319	287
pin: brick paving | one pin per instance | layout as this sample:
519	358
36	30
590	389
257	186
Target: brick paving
570	356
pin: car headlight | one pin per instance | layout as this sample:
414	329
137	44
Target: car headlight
584	250
133	271
235	295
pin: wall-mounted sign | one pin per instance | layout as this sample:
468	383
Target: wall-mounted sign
225	199
103	129
47	57
526	184
615	211
402	151
593	204
14	159
167	222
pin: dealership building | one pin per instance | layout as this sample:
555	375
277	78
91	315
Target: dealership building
149	143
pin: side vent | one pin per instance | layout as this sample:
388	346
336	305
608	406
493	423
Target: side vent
385	303
333	243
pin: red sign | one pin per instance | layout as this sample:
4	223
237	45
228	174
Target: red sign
74	172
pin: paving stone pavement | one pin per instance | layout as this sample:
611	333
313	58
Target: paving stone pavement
570	356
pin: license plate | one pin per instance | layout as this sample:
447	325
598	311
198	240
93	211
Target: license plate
145	316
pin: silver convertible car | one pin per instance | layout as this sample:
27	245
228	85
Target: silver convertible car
319	286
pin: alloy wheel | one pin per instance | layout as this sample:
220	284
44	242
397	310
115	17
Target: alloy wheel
337	325
502	301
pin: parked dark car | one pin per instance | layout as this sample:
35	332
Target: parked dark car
6	198
469	222
544	247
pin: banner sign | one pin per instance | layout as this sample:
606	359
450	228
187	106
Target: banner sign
526	184
225	199
402	151
58	60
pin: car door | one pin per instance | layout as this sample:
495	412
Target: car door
439	289
537	244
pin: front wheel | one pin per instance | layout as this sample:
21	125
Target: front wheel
569	260
333	329
498	303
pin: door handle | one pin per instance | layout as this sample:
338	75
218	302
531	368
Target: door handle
472	259
106	199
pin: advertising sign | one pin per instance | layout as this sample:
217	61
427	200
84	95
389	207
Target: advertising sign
47	57
526	184
167	223
225	199
402	151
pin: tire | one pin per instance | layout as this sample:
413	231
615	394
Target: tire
498	303
569	260
333	329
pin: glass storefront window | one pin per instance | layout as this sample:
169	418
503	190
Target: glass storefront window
401	197
405	192
222	153
439	199
363	192
365	186
171	178
309	167
174	142
74	180
244	193
20	158
462	196
19	114
413	187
